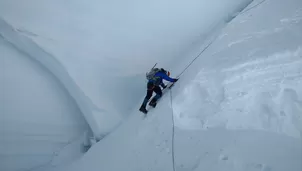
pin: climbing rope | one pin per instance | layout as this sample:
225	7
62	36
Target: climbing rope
256	5
215	39
173	132
196	57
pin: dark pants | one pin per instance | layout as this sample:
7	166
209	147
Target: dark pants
158	95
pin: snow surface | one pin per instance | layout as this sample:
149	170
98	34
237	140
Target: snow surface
237	107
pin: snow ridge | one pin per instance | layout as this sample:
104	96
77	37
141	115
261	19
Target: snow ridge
34	51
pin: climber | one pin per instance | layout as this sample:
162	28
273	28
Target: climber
155	80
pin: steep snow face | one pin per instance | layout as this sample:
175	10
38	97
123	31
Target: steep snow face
40	122
237	107
106	47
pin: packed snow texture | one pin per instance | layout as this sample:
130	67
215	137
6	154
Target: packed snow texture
237	107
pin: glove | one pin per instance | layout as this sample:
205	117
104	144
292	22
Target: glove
175	80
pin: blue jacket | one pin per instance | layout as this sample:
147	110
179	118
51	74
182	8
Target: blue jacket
161	76
164	76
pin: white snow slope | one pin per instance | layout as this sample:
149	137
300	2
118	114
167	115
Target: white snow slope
238	107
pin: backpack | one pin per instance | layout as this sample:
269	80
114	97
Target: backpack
151	75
